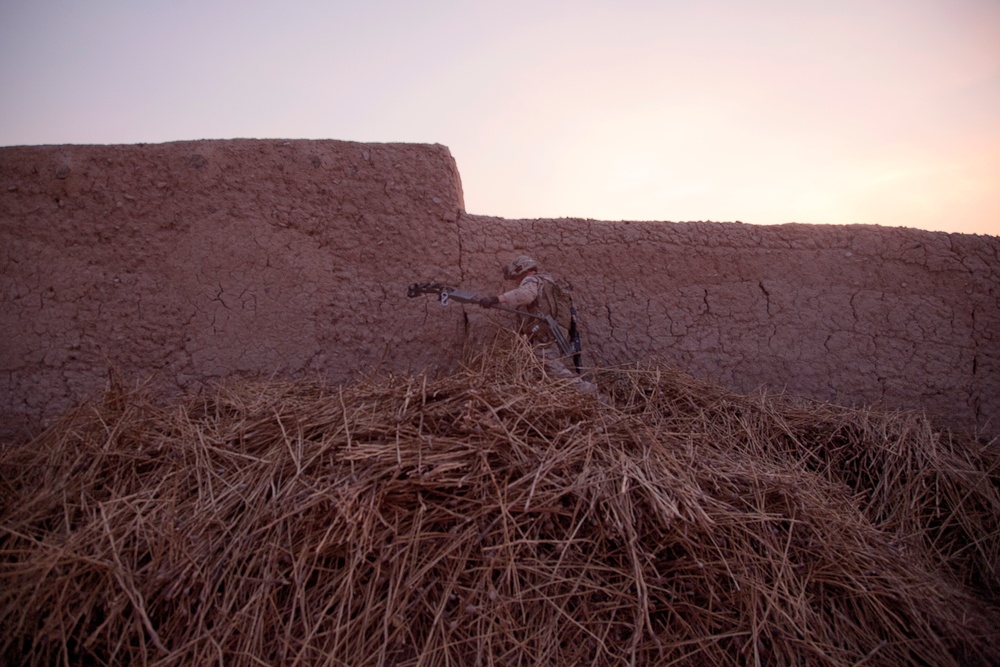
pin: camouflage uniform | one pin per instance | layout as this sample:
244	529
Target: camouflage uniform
526	297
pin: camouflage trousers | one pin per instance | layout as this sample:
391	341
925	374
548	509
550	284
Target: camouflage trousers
556	366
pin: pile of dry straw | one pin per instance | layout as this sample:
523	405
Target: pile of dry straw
495	517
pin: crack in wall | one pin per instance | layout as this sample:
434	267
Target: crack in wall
767	297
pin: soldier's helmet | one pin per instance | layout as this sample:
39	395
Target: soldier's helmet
519	267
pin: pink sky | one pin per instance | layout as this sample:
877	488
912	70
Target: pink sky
878	112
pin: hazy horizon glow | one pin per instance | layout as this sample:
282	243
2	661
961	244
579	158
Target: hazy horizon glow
767	112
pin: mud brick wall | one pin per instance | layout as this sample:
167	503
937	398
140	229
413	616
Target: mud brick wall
186	262
850	314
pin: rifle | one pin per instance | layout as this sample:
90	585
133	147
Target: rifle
446	294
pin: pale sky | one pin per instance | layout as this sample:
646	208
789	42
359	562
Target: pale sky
764	111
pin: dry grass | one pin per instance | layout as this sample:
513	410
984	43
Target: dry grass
495	517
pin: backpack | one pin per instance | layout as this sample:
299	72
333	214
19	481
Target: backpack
556	300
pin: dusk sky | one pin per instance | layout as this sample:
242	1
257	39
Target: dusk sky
877	111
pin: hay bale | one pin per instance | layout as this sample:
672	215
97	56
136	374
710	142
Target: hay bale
497	517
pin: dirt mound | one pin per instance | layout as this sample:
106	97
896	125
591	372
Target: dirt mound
495	516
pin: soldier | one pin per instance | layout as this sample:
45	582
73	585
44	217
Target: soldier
541	294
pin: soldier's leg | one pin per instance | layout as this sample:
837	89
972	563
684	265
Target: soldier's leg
555	366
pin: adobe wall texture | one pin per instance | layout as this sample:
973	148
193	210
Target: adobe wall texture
186	262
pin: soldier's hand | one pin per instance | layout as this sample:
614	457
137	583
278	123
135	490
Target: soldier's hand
489	301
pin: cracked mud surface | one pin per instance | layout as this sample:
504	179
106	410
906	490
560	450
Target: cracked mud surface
851	314
185	262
